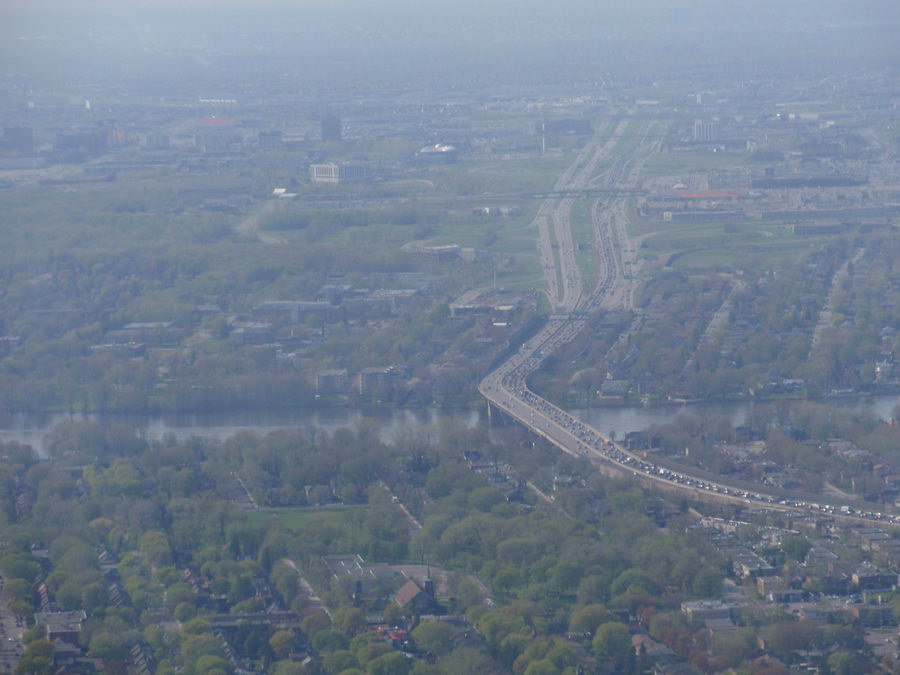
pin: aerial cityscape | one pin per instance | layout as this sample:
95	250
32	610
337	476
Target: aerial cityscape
436	338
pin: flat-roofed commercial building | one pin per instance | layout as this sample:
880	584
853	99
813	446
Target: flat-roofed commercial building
338	173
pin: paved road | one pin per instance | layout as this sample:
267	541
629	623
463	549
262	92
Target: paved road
11	631
507	388
824	321
249	226
314	600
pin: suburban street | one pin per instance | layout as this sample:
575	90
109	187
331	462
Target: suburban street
11	631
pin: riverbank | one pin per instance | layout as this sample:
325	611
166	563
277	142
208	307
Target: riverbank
32	428
623	402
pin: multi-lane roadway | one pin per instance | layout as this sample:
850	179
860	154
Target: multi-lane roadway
506	387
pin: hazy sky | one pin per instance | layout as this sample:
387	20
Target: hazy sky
889	9
500	39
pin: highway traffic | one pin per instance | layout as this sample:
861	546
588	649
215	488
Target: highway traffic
507	386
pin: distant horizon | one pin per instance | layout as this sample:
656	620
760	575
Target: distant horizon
887	8
456	41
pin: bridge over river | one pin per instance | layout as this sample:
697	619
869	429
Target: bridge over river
506	387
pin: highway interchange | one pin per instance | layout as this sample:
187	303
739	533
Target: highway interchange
507	389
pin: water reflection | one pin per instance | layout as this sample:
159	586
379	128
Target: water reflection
31	428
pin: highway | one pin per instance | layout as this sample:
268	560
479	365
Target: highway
507	389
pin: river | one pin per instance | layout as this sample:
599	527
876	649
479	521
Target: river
31	428
634	418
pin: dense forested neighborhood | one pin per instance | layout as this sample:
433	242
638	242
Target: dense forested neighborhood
205	556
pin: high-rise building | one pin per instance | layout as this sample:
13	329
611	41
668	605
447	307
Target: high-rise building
706	130
331	128
156	141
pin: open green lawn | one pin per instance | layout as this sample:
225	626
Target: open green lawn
554	244
733	255
521	282
333	516
583	236
676	163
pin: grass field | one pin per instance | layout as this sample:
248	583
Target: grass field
674	164
737	255
522	280
583	236
340	516
554	245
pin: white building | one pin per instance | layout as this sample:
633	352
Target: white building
338	173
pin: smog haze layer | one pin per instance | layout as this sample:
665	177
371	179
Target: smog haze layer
166	47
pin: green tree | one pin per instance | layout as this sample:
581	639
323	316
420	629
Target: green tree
185	611
155	548
496	626
179	593
93	596
393	663
351	620
210	664
19	565
466	660
371	651
19	589
708	582
330	640
339	661
633	579
611	641
36	632
589	618
196	646
433	636
282	643
846	663
734	647
21	609
314	623
286	580
469	594
37	659
107	646
592	589
845	636
34	664
484	498
505	579
542	667
545	651
289	668
784	637
795	546
196	626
